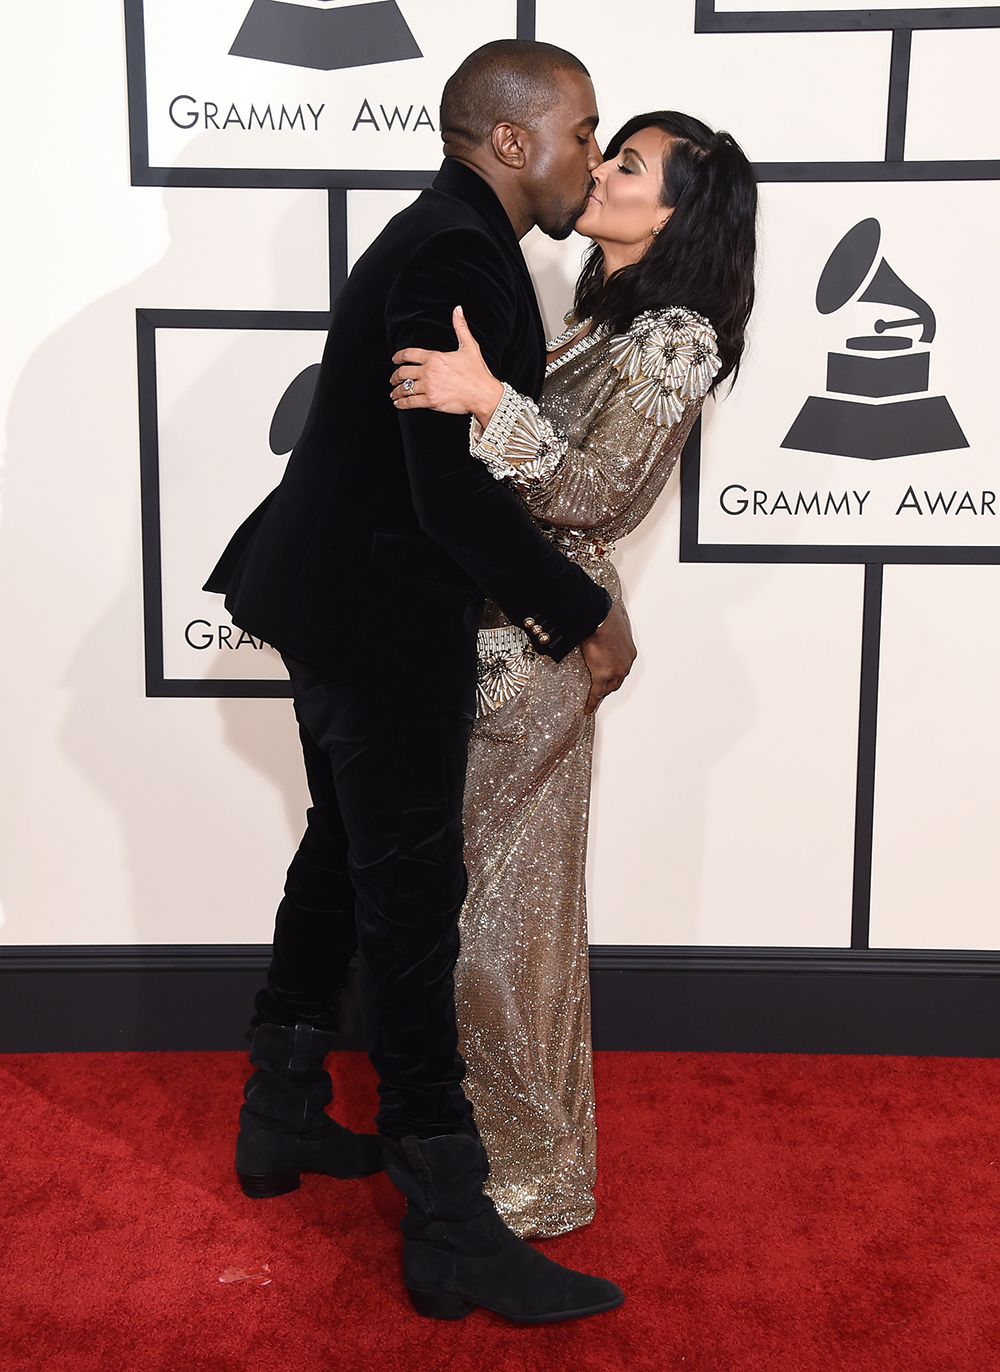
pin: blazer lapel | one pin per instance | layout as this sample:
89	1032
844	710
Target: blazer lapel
461	182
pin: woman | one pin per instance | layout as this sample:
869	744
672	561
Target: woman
660	312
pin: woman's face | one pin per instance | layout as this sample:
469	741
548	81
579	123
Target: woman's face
625	205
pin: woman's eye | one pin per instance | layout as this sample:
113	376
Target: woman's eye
622	168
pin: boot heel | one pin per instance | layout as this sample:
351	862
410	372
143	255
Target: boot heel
440	1305
270	1184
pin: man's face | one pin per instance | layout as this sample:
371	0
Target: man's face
562	153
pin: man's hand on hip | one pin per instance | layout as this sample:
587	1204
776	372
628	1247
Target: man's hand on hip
609	653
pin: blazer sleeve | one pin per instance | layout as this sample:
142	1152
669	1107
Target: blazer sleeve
473	518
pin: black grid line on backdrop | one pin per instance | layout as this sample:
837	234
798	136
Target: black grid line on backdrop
874	558
693	550
338	247
147	324
233	178
709	20
901	23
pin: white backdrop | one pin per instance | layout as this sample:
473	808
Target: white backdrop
725	786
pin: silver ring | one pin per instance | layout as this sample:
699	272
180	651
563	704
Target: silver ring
408	385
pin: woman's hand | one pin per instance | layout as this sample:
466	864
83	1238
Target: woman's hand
455	383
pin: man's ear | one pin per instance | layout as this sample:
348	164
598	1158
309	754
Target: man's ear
508	145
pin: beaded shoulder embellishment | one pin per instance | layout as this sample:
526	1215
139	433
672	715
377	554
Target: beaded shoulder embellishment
668	357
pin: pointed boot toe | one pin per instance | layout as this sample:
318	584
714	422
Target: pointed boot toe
458	1253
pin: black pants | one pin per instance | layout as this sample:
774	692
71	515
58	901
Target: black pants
379	869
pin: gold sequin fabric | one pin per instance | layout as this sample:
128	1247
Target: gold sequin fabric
521	984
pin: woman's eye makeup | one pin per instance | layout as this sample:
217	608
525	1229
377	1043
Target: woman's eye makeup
623	167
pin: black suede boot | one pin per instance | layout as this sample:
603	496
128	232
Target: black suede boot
458	1253
283	1127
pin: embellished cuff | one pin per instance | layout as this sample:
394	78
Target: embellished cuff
517	444
489	445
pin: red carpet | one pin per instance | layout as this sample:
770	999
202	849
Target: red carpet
764	1214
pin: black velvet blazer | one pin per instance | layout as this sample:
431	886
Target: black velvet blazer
372	558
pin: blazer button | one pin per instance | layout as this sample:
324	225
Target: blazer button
543	638
529	623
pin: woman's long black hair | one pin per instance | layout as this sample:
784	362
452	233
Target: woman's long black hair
704	256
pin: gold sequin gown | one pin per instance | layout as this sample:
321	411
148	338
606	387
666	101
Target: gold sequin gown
589	464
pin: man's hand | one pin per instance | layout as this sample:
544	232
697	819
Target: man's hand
609	653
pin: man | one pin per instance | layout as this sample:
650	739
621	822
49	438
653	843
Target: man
368	568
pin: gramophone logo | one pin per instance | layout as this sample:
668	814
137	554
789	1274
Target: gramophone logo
876	406
325	35
292	411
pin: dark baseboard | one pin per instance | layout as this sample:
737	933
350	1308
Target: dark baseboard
765	1000
796	1000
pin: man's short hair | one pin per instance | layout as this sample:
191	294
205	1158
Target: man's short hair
512	79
